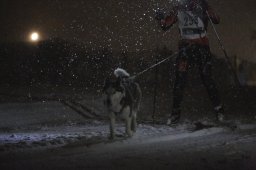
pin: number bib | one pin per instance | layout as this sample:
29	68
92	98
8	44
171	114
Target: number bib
190	25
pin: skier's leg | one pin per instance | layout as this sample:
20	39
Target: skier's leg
205	67
180	81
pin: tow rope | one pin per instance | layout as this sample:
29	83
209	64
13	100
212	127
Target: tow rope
153	66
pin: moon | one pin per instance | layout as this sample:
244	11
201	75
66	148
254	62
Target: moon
34	36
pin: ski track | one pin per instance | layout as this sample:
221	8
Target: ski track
49	135
22	128
63	135
97	132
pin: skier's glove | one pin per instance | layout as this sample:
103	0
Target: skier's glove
159	15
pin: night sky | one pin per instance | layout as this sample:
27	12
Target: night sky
123	24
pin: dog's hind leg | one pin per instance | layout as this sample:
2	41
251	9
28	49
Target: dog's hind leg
134	122
128	122
112	117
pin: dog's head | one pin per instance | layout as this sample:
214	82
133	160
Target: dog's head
113	86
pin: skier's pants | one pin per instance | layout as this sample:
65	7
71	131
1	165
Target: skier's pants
189	56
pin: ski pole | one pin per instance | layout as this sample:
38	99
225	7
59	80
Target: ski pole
155	93
225	52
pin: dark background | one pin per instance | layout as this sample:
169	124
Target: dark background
122	25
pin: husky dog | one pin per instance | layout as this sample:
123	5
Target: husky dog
122	99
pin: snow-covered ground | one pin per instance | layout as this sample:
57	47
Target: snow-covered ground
45	131
52	124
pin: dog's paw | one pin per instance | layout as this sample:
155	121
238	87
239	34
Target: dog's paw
129	134
111	137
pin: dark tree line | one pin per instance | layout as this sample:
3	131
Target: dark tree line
64	63
56	62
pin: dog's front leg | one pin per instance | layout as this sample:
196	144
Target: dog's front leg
128	122
134	122
112	117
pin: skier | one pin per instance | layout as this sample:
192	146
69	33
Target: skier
192	16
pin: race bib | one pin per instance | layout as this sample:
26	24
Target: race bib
191	26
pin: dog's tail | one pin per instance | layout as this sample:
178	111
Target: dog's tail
121	73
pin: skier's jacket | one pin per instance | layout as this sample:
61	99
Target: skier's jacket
193	21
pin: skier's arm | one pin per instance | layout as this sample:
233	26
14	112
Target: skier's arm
214	17
166	22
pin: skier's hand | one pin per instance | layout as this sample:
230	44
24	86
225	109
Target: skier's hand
213	16
159	15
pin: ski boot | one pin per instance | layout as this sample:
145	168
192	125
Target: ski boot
174	117
219	113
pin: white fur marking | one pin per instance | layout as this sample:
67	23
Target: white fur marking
115	101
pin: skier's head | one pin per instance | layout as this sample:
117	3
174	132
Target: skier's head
189	4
